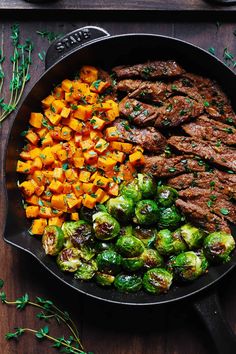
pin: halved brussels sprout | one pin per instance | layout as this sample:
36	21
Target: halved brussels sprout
168	242
83	235
121	208
52	240
131	190
105	226
128	283
166	196
188	265
87	252
129	246
109	262
132	264
146	212
146	235
104	279
69	260
151	258
218	246
192	236
87	213
170	217
147	185
86	271
157	280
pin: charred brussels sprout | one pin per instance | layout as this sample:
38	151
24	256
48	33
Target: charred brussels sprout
53	240
104	279
192	236
132	264
131	190
218	246
129	246
68	259
166	196
146	235
151	258
147	185
121	208
170	217
168	242
157	280
105	226
128	283
146	212
83	235
109	262
188	265
86	271
87	213
126	231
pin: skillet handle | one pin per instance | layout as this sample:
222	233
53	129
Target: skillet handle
72	41
210	311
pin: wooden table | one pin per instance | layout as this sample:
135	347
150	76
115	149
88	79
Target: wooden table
109	329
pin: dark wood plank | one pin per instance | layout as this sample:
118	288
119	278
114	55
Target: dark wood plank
104	5
106	328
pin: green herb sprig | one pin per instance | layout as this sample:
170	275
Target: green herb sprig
50	36
48	311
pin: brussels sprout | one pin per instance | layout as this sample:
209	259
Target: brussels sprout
192	236
86	271
103	246
87	213
68	259
151	258
104	279
121	208
218	246
147	185
129	246
87	252
105	226
146	235
126	231
188	265
146	212
69	227
168	243
166	196
157	280
170	217
131	190
128	283
53	240
83	234
132	264
109	262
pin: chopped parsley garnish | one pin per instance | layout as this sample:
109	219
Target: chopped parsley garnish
224	211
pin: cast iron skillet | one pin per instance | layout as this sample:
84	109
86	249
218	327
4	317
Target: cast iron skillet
92	45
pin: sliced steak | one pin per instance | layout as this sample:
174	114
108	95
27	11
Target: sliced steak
178	87
149	70
202	217
137	112
217	203
176	110
149	138
208	129
217	105
146	90
161	166
221	155
209	180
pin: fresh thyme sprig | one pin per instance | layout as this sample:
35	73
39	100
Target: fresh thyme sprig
21	61
50	36
48	311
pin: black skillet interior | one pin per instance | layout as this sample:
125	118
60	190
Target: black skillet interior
106	53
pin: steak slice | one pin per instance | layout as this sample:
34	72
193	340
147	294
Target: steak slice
201	217
138	112
208	180
208	129
178	87
149	70
149	138
221	155
217	203
177	110
161	166
147	90
217	105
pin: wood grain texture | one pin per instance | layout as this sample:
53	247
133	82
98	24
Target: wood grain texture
105	328
104	5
